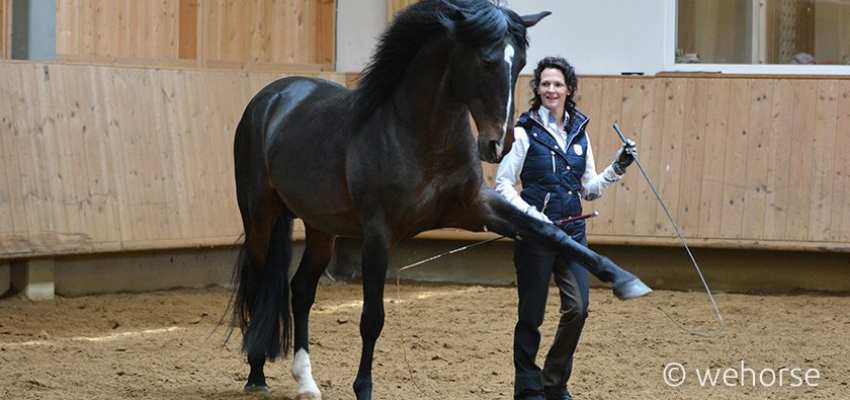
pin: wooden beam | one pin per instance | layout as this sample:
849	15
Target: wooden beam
5	8
188	30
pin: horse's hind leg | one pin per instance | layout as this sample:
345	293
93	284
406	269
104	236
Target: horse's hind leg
269	309
317	255
262	267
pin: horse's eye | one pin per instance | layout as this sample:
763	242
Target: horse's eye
487	64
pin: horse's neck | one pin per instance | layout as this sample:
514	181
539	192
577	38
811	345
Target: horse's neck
423	103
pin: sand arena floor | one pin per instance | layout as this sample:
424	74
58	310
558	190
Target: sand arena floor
164	345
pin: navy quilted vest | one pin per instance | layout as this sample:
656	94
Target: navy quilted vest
550	169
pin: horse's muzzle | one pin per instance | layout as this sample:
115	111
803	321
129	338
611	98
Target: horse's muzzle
491	151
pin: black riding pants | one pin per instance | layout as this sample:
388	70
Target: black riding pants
535	265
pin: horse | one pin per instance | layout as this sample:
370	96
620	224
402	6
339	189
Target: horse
392	158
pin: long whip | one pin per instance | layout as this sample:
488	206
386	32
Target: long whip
720	326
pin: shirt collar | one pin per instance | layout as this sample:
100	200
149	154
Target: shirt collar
549	119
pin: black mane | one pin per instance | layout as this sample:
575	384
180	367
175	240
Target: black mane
484	23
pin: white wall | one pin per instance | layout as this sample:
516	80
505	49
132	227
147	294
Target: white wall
597	37
359	24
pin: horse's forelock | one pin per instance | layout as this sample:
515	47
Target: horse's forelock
487	23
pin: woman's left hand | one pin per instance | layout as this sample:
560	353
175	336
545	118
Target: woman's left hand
625	157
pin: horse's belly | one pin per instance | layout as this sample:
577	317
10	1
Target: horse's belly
320	200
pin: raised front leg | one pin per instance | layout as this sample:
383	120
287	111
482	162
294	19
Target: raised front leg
375	250
494	213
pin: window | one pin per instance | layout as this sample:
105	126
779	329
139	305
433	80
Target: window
761	36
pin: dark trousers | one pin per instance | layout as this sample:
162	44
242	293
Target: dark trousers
535	265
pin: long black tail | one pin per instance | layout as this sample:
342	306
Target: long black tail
261	306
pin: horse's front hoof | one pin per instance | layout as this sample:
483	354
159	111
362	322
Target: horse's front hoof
308	396
256	388
363	388
631	290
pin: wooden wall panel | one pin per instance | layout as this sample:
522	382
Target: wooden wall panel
799	174
293	34
713	159
823	155
651	129
780	162
5	11
690	183
188	29
841	185
741	161
604	144
101	159
670	155
634	94
734	152
117	28
270	31
758	147
394	6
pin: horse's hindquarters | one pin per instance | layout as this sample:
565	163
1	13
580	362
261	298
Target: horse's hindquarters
304	130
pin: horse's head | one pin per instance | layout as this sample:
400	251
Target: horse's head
484	71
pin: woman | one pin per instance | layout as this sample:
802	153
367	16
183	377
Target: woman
552	157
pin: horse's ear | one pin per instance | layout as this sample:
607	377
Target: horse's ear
452	15
454	12
533	19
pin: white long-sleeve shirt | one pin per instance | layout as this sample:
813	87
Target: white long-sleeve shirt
593	185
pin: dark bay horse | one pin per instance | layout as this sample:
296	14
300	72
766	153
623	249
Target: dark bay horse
395	157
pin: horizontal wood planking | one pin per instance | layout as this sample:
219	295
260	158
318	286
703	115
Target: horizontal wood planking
100	159
205	33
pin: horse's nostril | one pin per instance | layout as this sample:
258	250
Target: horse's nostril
496	147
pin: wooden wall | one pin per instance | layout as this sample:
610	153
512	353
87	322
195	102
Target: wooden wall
394	6
5	11
98	159
291	34
741	161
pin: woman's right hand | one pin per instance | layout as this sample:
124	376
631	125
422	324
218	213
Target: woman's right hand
532	211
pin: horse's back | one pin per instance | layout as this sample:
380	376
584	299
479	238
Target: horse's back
281	98
297	133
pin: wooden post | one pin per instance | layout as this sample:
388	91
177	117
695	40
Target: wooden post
188	29
4	30
34	278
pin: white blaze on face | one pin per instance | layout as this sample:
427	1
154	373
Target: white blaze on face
509	59
302	371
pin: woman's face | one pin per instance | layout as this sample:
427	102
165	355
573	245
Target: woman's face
553	90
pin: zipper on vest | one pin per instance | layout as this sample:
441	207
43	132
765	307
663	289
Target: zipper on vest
553	160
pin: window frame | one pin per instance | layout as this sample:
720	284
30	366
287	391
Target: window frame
670	64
